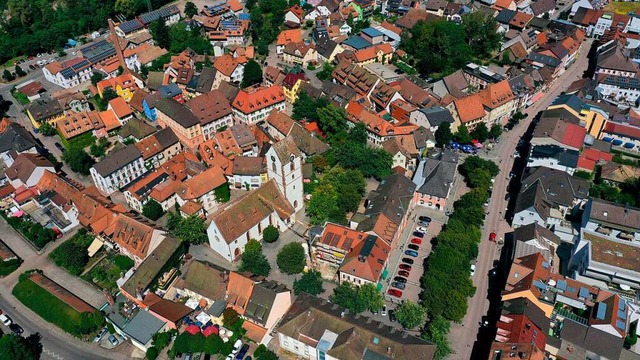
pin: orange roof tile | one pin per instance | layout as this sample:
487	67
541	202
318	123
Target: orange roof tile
520	20
109	120
239	291
213	157
202	184
374	262
469	108
497	94
252	100
226	64
341	237
288	36
120	107
131	234
234	5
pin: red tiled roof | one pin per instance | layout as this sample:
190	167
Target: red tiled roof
590	157
289	36
249	101
469	108
371	265
623	130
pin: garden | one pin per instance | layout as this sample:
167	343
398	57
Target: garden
36	234
54	310
109	269
9	266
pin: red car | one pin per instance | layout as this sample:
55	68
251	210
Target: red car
394	292
406	267
403	273
492	237
416	241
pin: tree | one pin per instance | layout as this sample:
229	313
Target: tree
323	206
15	347
495	131
410	314
462	135
252	259
222	193
252	74
190	9
480	34
437	332
128	8
71	255
443	134
160	33
327	70
47	129
357	299
270	234
181	38
152	210
99	149
109	94
96	78
78	159
19	71
263	353
291	259
480	133
304	107
358	134
331	119
191	229
310	282
6	74
369	295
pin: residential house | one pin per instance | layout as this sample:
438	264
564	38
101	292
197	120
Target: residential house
204	281
118	169
213	110
378	129
286	37
181	120
254	104
279	125
201	189
329	248
42	110
239	221
135	129
14	140
436	180
170	312
294	15
27	170
68	73
402	157
313	328
157	186
124	85
300	53
248	172
366	262
292	82
132	323
159	147
228	69
135	238
431	118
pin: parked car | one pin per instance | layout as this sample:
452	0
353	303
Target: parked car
100	335
424	218
32	67
473	269
394	292
418	234
411	253
5	319
236	346
507	197
400	279
242	352
421	229
423	223
398	284
413	247
407	261
416	241
492	237
403	273
113	340
392	315
17	329
59	146
383	311
405	267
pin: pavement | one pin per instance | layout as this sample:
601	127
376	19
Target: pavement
463	337
57	344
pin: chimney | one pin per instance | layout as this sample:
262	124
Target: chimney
116	45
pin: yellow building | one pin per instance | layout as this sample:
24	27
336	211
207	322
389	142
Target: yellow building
591	117
291	84
42	110
124	85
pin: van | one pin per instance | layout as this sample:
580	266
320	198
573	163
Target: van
5	320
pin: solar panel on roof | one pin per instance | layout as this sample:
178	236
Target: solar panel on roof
68	73
622	304
131	25
601	311
584	293
562	285
571	289
621	325
622	314
539	284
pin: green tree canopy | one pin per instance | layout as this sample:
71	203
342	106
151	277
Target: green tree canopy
252	74
72	254
481	132
437	333
331	119
480	34
152	210
327	70
310	282
190	9
291	259
78	159
270	234
443	134
252	259
96	77
182	38
47	129
462	135
410	314
357	299
304	107
191	229
160	32
15	347
495	131
323	205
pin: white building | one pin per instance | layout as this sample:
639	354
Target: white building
68	73
284	165
254	104
246	218
118	169
27	170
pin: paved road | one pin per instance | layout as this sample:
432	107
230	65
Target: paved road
463	336
57	344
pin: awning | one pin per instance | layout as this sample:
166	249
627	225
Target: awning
629	145
209	330
95	246
379	286
192	329
616	142
607	139
203	317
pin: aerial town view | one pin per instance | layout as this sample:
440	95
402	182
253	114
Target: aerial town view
319	179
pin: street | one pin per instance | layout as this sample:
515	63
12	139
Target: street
463	337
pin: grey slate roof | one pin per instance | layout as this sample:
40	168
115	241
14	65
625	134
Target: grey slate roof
391	198
166	138
437	115
45	108
136	128
438	174
544	59
178	112
306	141
15	137
141	326
117	159
533	197
565	157
262	300
505	16
325	47
560	187
205	81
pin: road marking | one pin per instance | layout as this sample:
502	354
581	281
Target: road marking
52	354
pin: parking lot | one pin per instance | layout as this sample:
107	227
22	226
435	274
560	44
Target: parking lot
412	286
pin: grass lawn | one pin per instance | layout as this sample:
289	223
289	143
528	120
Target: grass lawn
105	273
20	97
83	141
9	266
621	7
12	62
47	306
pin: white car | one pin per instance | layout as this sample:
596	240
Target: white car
5	320
421	229
383	311
473	269
236	346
